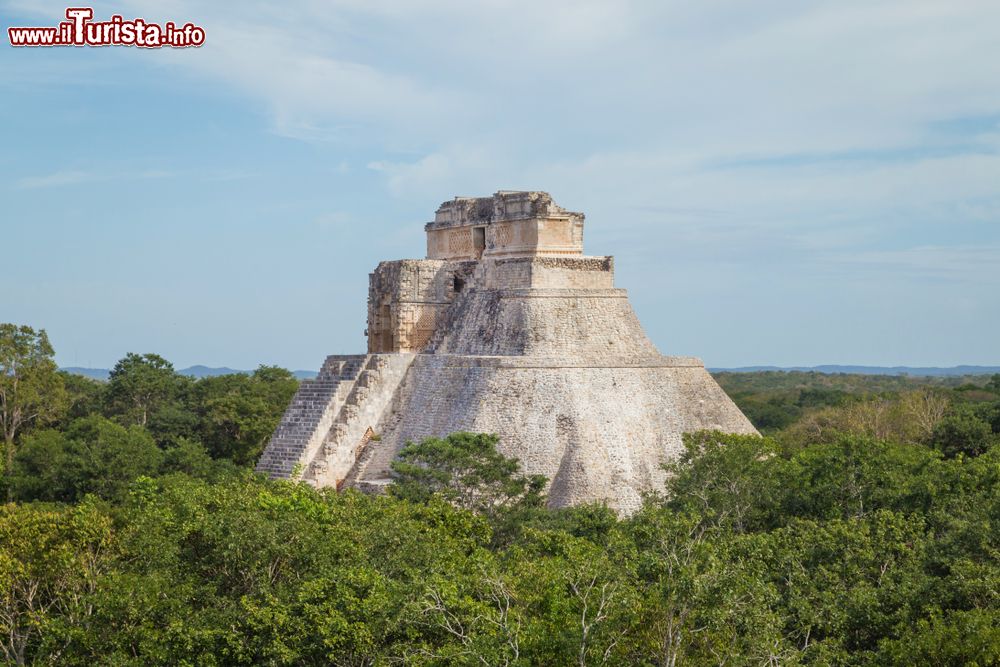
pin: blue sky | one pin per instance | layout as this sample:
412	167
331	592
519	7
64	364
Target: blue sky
781	182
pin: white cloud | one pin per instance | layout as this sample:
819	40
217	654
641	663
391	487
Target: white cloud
69	177
56	179
717	80
965	263
115	172
690	133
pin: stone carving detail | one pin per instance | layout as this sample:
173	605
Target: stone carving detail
460	241
424	328
502	235
533	343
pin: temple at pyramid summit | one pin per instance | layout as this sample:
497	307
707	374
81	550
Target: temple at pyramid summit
506	327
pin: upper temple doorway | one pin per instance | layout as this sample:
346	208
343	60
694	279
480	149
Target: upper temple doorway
479	241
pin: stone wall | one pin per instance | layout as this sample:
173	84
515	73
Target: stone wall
508	224
405	299
547	272
577	323
599	430
517	238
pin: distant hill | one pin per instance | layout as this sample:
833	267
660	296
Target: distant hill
923	371
193	371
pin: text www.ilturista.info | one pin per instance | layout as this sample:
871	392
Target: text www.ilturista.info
79	30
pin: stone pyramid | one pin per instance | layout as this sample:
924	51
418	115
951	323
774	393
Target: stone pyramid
505	328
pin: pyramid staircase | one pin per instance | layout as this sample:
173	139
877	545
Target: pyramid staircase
354	428
308	418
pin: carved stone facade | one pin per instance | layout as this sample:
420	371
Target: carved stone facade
505	328
406	298
508	224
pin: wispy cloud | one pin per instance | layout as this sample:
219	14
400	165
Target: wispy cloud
334	220
963	263
65	178
793	118
56	179
750	151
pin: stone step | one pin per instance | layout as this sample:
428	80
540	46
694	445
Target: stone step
337	366
344	385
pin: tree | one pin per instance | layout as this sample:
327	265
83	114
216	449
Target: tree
238	413
962	432
907	417
853	477
705	595
50	560
253	572
191	458
84	397
95	455
141	384
468	471
958	638
991	414
727	480
925	409
845	584
31	389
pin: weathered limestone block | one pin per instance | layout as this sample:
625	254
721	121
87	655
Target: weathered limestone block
405	299
598	431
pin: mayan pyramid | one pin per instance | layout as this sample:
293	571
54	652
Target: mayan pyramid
505	328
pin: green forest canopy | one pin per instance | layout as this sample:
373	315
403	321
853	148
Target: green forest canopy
861	530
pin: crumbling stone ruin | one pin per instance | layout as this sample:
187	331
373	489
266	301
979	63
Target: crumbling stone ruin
505	328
